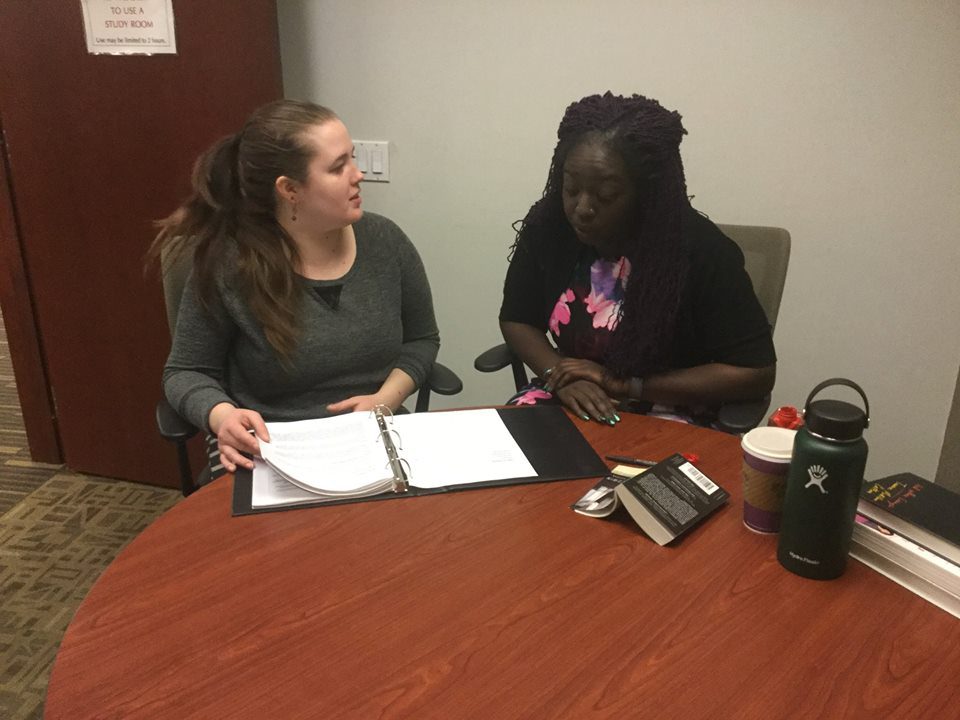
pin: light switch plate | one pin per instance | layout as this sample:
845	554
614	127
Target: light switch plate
373	159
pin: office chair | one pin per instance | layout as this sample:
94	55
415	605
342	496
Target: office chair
766	252
441	380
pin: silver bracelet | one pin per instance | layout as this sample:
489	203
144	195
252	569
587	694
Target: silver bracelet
636	388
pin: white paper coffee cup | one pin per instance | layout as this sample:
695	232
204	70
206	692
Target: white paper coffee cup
766	462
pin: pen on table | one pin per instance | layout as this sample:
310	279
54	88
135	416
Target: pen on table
631	460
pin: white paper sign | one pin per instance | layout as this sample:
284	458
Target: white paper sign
129	27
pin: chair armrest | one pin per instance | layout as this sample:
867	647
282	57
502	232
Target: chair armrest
499	357
441	380
738	418
444	381
496	358
171	425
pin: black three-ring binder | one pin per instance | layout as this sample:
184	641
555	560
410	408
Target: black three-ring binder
552	443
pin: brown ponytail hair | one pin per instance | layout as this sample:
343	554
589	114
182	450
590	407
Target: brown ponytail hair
234	202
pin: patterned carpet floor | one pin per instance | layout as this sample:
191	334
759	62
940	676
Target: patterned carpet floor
58	531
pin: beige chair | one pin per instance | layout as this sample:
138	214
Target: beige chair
766	252
174	428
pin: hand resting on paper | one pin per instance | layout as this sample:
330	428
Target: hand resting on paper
233	426
395	389
357	403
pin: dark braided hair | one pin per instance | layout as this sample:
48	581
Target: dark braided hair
647	137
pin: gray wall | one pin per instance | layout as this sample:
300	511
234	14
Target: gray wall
835	120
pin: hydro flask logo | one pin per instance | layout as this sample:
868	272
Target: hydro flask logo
817	475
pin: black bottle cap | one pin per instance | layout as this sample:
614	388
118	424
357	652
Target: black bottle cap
835	420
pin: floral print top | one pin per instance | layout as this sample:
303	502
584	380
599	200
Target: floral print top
582	322
584	317
588	311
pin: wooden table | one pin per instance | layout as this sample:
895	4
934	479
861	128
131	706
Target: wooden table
497	603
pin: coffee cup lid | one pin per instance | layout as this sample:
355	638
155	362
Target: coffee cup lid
775	443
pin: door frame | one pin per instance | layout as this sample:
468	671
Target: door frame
23	339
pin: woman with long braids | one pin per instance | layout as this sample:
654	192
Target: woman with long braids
299	305
647	300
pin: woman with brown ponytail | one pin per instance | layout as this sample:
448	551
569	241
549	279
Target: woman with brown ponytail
300	305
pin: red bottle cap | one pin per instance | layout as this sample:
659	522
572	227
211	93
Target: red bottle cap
786	417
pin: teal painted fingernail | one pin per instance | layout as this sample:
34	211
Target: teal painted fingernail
611	422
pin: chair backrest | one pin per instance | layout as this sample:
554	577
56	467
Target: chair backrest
766	252
175	274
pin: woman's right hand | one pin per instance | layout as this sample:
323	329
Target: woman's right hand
588	400
232	426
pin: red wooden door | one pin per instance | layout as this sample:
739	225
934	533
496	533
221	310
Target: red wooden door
97	147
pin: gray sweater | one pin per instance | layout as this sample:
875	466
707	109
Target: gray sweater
384	320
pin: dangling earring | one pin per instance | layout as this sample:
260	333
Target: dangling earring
293	211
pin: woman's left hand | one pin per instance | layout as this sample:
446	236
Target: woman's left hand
357	403
395	389
588	400
569	370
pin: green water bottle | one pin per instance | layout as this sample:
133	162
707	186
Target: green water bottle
823	485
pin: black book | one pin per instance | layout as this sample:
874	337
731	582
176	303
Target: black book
670	498
917	509
918	569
